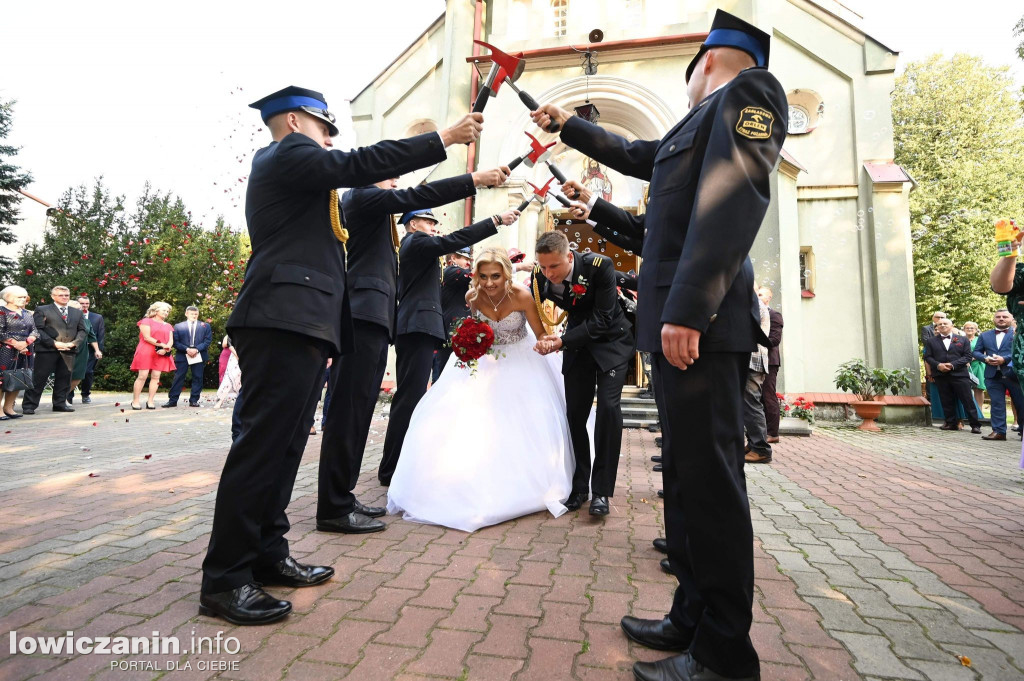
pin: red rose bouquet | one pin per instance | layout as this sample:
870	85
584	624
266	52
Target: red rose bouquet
471	340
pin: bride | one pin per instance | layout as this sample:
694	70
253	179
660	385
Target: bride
487	447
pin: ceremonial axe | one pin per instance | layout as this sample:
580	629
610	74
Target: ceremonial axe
505	68
542	194
538	153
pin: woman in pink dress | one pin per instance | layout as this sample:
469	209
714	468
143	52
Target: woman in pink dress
225	355
153	354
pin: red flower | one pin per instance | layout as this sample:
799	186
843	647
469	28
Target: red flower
780	396
472	339
578	289
29	272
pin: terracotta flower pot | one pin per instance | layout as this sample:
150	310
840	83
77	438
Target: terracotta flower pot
868	411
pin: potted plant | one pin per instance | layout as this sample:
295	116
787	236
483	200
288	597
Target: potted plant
870	384
797	416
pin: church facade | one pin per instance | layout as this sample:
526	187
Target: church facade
835	245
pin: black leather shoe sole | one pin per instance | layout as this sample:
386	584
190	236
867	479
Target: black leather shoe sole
267	619
658	468
656	458
350	529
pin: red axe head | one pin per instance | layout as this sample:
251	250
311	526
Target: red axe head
542	192
538	149
511	65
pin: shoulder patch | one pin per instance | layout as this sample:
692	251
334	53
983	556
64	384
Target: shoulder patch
598	260
755	123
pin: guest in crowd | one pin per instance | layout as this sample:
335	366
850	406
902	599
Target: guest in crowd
61	332
949	356
17	334
225	357
231	382
977	367
191	340
768	390
929	330
153	353
993	350
100	329
89	349
757	450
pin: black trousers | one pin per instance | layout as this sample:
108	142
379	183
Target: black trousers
47	363
415	358
952	388
181	367
281	370
582	379
707	515
440	361
355	387
770	401
86	385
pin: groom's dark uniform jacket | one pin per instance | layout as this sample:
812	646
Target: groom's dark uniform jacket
709	192
595	322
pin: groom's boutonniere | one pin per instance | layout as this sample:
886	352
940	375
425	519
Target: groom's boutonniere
579	289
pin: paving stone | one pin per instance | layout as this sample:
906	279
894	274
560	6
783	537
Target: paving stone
909	640
872	655
839	615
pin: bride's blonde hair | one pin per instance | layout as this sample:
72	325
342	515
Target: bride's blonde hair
492	254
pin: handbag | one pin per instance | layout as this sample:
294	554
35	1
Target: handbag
14	380
975	381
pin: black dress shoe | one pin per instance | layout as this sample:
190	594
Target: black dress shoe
656	458
656	634
976	430
248	604
681	668
193	404
599	506
28	412
168	404
353	523
86	400
661	494
657	441
658	468
70	398
288	572
66	408
666	566
370	511
946	426
576	500
661	544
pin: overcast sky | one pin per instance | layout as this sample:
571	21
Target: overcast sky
137	91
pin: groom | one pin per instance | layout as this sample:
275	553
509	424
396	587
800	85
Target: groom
597	346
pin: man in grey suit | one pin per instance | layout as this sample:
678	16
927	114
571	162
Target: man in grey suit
61	333
100	329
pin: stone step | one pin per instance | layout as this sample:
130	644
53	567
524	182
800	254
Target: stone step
637	400
638	423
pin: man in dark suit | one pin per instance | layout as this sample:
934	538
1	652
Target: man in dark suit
709	192
100	329
61	332
596	348
355	381
420	328
949	357
995	349
455	281
928	330
769	391
291	315
191	339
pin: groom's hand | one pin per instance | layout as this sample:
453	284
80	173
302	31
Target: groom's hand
554	342
680	344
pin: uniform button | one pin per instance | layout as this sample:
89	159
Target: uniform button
306	278
714	317
672	148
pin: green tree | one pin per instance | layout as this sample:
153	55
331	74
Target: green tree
127	260
1018	31
12	178
958	132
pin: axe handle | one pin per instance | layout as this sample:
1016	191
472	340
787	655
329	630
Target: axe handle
522	206
557	173
532	105
513	164
481	99
562	200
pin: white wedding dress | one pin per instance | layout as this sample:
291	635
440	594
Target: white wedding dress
487	447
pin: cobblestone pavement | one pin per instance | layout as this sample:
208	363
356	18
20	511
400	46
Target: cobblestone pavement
892	556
